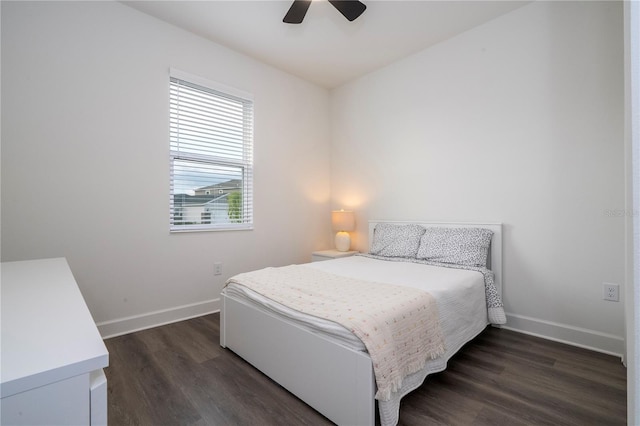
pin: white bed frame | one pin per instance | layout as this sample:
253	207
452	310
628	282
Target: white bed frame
336	381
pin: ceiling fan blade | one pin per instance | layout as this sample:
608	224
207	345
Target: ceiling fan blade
351	9
296	12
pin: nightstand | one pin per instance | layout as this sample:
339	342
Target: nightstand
318	256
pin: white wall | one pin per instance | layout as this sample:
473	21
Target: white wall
0	141
85	159
518	121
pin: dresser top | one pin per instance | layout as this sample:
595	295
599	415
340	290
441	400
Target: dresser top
48	333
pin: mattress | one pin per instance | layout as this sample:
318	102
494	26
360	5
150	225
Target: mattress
459	294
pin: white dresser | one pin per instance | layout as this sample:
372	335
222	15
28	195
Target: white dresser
51	353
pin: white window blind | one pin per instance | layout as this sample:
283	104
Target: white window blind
211	164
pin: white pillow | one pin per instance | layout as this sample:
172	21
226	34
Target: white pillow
393	240
461	246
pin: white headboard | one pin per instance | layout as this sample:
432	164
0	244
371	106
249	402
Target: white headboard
495	251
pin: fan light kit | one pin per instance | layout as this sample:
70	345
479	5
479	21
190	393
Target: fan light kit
350	9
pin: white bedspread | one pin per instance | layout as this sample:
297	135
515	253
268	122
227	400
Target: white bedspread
399	325
459	294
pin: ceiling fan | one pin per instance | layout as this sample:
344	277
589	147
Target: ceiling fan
350	9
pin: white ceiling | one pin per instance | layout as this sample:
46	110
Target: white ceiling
326	49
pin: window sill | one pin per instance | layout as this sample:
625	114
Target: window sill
196	228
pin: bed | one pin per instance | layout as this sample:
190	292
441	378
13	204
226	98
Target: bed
328	367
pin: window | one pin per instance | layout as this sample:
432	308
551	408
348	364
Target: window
210	142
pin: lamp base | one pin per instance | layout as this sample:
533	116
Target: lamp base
343	241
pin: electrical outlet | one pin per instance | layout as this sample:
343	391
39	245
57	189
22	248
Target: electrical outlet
217	268
611	292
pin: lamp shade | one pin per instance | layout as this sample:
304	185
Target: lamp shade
342	220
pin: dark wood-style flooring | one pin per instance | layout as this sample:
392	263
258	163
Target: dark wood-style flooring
178	374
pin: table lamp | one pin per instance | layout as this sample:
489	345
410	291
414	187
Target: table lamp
343	222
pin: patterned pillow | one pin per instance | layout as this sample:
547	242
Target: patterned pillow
462	246
396	240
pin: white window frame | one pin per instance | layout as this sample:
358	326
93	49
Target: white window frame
245	164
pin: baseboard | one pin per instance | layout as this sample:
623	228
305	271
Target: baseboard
147	320
563	333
